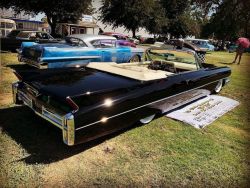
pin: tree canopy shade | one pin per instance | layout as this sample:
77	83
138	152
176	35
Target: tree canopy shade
156	20
176	12
231	20
55	10
131	14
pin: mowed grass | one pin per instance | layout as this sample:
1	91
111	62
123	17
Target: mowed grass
163	153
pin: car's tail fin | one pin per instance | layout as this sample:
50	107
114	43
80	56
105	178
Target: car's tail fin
28	44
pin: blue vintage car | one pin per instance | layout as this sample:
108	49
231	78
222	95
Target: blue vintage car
77	50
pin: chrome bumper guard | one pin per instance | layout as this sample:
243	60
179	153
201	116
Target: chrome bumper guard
22	97
226	81
66	122
32	62
14	92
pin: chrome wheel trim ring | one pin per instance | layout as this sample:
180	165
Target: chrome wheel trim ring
218	86
147	119
134	59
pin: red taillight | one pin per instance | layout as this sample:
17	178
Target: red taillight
18	76
72	104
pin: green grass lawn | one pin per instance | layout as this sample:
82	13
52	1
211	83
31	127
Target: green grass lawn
163	153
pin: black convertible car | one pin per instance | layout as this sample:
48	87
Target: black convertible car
100	98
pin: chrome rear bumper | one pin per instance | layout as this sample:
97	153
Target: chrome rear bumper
32	63
65	122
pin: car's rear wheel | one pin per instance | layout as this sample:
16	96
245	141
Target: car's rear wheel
218	87
134	59
147	119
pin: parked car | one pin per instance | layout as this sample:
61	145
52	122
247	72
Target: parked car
177	44
15	38
232	48
149	40
186	44
134	40
100	98
126	43
122	39
202	44
77	50
116	35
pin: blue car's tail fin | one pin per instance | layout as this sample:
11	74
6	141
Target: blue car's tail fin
28	44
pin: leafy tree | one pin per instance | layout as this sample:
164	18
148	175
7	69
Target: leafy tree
131	14
244	18
174	8
200	11
203	8
230	20
156	20
176	11
55	10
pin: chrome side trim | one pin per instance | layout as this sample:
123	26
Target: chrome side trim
107	118
47	59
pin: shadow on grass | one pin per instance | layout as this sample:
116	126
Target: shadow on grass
21	67
4	51
225	63
42	140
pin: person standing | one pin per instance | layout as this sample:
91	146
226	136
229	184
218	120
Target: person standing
100	31
242	43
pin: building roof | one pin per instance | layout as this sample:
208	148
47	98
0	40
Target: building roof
30	21
7	20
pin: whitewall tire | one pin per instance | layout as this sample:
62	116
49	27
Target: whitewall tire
218	87
147	119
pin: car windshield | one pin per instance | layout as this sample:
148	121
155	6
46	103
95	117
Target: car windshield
172	55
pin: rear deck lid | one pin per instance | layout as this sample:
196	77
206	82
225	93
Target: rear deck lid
73	82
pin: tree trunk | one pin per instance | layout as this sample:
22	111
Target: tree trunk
52	23
133	31
246	28
53	29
